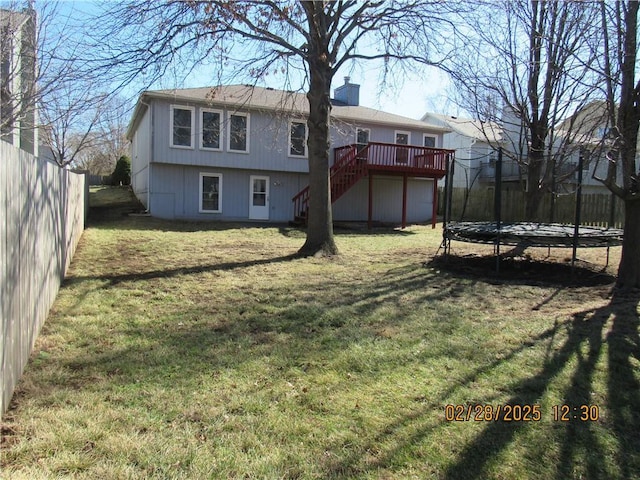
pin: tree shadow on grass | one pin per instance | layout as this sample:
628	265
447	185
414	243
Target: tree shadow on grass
115	279
582	451
203	348
422	423
523	271
585	342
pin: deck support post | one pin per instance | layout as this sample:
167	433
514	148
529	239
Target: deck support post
404	200
370	214
434	203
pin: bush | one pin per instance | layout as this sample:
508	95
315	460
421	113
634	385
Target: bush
122	173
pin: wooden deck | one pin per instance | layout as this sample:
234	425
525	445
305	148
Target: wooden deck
355	161
392	159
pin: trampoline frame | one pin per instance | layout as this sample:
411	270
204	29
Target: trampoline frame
525	234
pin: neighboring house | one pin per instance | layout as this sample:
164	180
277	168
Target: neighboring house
475	144
585	134
591	131
18	114
239	153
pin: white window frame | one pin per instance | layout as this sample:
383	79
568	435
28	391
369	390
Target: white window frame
200	179
238	114
193	126
405	132
221	114
428	135
306	138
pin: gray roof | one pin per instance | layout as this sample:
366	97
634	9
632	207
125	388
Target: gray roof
246	97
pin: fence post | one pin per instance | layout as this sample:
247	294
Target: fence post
498	206
576	226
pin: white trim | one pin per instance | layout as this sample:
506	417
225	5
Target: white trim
429	135
263	211
193	126
401	155
248	136
220	139
201	177
306	138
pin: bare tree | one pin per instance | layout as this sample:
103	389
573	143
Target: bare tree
70	120
254	38
47	97
527	66
621	89
85	129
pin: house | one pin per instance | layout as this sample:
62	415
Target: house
239	152
591	132
18	113
475	144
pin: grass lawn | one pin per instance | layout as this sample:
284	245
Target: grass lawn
182	350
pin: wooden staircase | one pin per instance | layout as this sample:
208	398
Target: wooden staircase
349	167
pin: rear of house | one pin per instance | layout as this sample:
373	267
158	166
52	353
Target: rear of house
239	153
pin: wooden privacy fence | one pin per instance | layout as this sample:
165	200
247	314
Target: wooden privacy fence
43	210
478	205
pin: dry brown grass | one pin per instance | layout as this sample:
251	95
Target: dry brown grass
182	350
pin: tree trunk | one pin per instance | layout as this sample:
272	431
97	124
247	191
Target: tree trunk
533	199
629	268
534	194
320	239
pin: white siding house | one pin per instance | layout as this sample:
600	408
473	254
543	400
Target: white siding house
238	153
18	113
475	144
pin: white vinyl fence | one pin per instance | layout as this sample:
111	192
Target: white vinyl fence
42	214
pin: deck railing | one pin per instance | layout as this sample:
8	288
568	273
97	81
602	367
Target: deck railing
351	162
390	156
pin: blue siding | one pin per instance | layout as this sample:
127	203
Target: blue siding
169	177
175	193
140	155
268	143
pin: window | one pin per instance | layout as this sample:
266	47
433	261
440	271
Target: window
298	138
429	141
584	158
402	154
211	121
210	193
362	140
362	137
238	129
182	126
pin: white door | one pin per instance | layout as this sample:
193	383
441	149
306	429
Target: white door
402	154
259	198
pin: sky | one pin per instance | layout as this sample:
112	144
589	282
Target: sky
411	96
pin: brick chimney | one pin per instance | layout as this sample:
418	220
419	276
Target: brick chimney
349	93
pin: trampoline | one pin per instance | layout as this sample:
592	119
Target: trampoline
531	234
525	234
